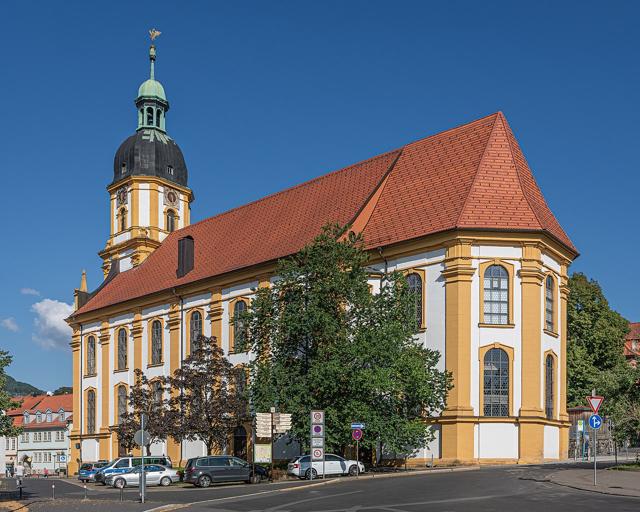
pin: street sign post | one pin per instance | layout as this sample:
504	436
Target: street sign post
317	440
595	422
144	436
356	433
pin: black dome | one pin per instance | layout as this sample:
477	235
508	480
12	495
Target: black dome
150	153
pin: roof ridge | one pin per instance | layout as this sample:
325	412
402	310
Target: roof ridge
507	129
475	178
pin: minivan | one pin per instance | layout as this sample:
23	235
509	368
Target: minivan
204	471
124	464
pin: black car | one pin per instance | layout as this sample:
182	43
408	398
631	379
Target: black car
204	471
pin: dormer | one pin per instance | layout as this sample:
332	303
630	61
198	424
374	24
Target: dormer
26	417
61	414
49	416
38	417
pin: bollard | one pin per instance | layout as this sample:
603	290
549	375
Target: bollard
85	491
53	490
121	493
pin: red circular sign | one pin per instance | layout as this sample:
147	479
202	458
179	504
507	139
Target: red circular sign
356	433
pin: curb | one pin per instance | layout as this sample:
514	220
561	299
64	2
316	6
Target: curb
591	489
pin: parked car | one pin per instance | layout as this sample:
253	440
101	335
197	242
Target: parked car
204	471
155	475
333	465
88	470
124	464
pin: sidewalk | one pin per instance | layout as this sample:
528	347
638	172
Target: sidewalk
610	481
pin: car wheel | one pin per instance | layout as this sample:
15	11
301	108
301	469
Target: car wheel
204	481
165	480
353	470
311	472
120	483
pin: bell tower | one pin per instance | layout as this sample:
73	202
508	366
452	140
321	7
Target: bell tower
149	195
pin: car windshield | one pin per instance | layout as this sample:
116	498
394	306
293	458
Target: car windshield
86	467
99	465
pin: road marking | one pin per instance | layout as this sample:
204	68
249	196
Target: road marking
273	509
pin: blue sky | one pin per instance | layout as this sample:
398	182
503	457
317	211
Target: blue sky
268	94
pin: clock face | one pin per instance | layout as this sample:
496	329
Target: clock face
121	196
171	197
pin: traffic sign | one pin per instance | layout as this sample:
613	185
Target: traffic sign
356	433
263	424
62	458
580	425
317	430
317	454
595	421
317	417
317	442
595	402
282	422
357	425
140	439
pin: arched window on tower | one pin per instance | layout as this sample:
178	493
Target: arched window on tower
156	342
548	384
149	116
123	219
123	168
91	411
122	349
496	383
496	295
122	401
414	281
91	356
195	330
171	221
158	391
158	115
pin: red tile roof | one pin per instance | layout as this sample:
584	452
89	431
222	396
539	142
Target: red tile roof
54	403
471	177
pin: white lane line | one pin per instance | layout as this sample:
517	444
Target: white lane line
315	498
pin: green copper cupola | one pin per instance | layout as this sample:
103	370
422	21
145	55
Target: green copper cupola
152	102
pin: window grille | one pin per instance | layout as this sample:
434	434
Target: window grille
238	324
156	342
91	411
414	281
122	349
496	295
548	304
171	221
548	400
195	330
122	402
496	383
91	356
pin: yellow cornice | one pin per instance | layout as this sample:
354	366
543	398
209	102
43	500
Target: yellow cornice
149	179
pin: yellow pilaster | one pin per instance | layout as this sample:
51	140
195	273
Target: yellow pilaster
136	331
457	430
105	449
215	314
531	429
174	324
74	458
563	416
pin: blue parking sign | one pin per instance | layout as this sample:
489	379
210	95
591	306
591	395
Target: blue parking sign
595	421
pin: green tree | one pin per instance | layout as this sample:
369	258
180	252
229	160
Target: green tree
7	428
595	357
207	401
323	341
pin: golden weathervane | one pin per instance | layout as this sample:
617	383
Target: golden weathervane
153	33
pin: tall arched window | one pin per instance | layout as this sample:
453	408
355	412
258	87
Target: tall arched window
149	116
171	221
195	330
122	349
91	356
156	342
122	401
123	219
496	383
548	385
238	325
414	281
548	304
496	295
91	411
158	112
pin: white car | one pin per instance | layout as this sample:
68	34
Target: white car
155	474
333	465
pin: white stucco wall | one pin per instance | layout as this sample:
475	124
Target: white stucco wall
551	442
496	441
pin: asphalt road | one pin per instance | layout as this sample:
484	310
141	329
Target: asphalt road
513	488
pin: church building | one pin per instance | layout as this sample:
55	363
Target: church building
459	213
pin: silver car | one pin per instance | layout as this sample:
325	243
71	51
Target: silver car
155	475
